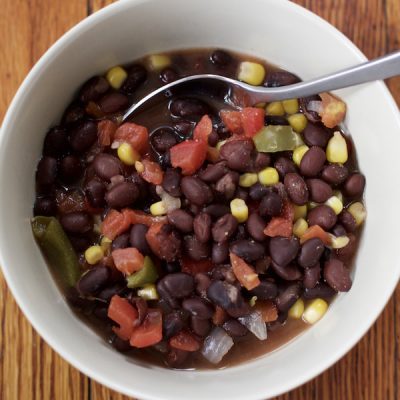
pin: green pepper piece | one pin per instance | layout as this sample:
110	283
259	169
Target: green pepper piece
148	274
148	292
57	249
273	138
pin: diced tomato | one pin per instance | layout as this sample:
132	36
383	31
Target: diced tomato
105	132
152	172
232	120
114	224
203	129
220	316
193	267
150	332
124	314
212	154
128	260
288	211
279	226
136	135
252	119
140	217
244	273
315	231
188	155
268	310
185	341
152	236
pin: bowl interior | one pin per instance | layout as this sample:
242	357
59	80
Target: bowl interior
283	34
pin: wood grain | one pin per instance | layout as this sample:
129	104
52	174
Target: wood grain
30	370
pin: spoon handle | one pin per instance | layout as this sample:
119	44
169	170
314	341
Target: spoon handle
380	68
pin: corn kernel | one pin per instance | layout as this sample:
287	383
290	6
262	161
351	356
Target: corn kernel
268	176
298	122
251	73
315	311
93	254
335	203
298	154
248	179
297	309
358	211
300	212
127	154
339	242
275	108
139	167
158	61
291	106
338	194
158	208
116	77
299	227
220	144
239	210
336	150
260	105
105	244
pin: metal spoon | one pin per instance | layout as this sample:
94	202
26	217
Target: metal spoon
239	93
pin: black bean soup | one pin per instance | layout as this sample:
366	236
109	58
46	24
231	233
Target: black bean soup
198	234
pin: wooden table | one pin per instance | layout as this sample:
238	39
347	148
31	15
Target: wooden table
29	369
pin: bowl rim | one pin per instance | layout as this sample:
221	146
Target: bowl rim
52	52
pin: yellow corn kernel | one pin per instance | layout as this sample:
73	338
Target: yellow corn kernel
358	211
291	106
127	154
251	73
298	154
298	122
105	244
93	254
335	203
239	210
268	176
311	205
300	212
253	301
299	227
297	309
275	108
116	77
158	208
220	144
339	242
159	61
336	150
248	179
338	194
260	105
315	311
139	167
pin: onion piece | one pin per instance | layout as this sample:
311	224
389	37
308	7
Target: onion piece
255	324
216	345
170	203
315	105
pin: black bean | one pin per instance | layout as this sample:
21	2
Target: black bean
313	161
46	172
101	312
80	243
255	227
202	227
171	182
266	290
202	283
120	242
106	166
283	250
280	78
196	191
296	188
45	206
321	290
93	280
310	252
258	191
83	136
198	307
72	114
122	195
168	75
184	128
348	221
213	139
56	142
249	250
289	272
178	285
137	74
284	166
137	238
70	169
261	161
319	190
121	345
172	324
213	172
95	192
270	205
176	358
262	265
163	139
237	153
241	193
186	107
347	252
195	249
220	58
224	228
226	186
316	135
107	293
234	328
223	273
354	185
219	252
311	276
167	243
217	210
339	230
337	275
93	89
323	216
76	222
181	219
199	326
335	174
288	297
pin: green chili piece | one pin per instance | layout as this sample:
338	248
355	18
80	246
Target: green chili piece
148	292
273	138
57	248
148	274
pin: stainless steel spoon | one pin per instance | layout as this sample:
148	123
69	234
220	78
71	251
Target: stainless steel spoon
239	93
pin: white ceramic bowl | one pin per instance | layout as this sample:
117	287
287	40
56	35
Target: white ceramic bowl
278	31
